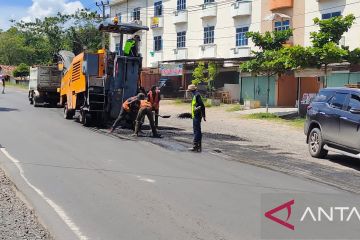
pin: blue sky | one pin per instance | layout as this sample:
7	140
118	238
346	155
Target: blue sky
29	9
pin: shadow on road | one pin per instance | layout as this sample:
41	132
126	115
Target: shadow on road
234	148
2	109
344	161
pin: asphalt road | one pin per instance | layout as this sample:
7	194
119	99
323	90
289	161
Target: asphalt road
87	185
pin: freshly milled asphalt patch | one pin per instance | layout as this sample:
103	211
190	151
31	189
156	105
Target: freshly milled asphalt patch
17	220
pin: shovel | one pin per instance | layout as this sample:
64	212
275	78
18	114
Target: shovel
185	115
164	116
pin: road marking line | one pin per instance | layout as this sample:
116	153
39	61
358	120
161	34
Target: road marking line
146	179
52	204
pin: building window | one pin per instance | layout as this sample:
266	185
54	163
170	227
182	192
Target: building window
282	25
181	5
158	43
241	38
181	39
209	35
158	9
208	1
135	15
330	15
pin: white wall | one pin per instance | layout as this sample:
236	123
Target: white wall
225	27
315	8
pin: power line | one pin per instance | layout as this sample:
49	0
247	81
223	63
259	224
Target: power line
102	6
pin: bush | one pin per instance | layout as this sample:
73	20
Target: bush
263	116
235	108
22	71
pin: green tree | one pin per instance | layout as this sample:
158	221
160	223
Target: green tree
22	71
325	42
199	74
331	30
270	40
353	56
273	60
13	49
73	32
205	73
212	72
84	33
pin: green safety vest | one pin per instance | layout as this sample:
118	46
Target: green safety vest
193	105
128	46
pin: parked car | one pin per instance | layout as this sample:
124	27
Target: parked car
333	122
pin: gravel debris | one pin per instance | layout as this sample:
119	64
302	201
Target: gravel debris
17	220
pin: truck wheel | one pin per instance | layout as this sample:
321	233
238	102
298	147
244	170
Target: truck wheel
87	119
67	112
316	144
81	117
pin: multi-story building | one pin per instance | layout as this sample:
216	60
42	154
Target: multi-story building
196	29
324	9
298	15
184	31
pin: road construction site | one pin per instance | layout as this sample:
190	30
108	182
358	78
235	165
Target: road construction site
261	143
87	183
95	185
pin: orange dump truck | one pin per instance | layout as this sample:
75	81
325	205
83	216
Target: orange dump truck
83	86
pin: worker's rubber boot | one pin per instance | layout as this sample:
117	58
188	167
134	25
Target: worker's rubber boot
194	148
157	135
137	128
199	149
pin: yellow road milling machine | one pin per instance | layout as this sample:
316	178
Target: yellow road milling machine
96	84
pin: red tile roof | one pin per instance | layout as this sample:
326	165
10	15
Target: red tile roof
8	70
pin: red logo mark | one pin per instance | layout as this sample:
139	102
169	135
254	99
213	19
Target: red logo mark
287	205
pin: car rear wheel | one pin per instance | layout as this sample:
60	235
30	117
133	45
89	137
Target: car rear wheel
316	144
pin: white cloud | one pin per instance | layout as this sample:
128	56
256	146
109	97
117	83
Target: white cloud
46	8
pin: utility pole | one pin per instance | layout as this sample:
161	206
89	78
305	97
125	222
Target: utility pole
102	6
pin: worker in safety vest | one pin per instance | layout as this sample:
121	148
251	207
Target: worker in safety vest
129	111
197	113
131	47
145	110
154	98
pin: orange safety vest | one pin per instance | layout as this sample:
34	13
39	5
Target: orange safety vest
126	106
145	104
154	102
